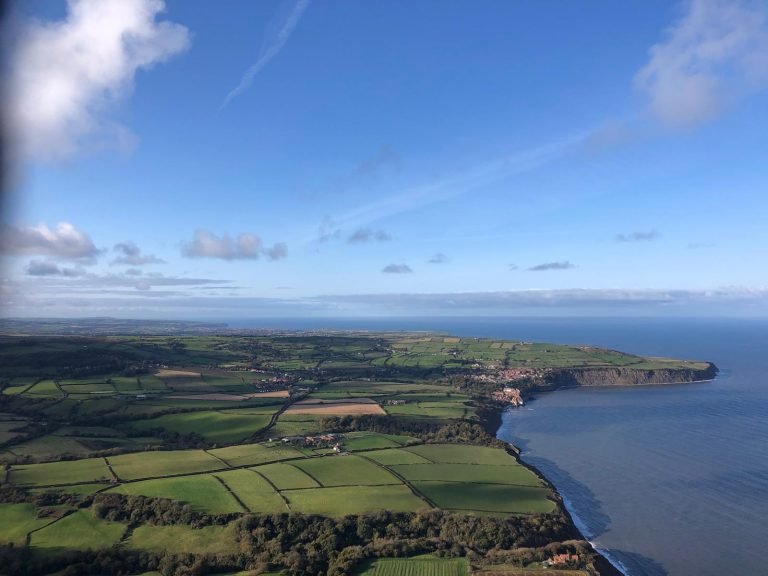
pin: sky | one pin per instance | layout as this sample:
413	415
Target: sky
299	158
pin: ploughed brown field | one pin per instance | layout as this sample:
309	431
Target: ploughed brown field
336	407
165	373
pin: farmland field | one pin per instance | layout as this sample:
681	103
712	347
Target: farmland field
156	464
416	567
203	492
396	456
491	498
345	471
345	500
287	477
78	530
183	539
217	426
481	473
249	454
242	433
322	407
68	472
461	454
18	519
253	491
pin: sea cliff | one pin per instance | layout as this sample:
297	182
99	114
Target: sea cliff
570	377
574	377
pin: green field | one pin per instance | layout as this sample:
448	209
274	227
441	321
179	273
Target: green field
184	540
253	491
353	500
216	426
202	492
463	454
250	454
482	473
368	440
490	498
18	520
287	477
345	470
79	530
416	567
396	456
67	472
163	463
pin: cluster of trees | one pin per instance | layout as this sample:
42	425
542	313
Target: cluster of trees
136	510
23	561
455	431
377	423
300	544
318	545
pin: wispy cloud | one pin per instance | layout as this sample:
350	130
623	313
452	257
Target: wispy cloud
527	300
130	255
397	269
716	52
66	75
64	241
375	163
638	236
366	235
457	184
269	49
40	298
48	268
438	258
564	265
245	246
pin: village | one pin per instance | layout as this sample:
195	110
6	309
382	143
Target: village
508	395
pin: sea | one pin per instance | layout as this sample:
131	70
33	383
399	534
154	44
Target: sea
663	480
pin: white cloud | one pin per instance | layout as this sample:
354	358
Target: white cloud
65	241
244	247
65	75
717	51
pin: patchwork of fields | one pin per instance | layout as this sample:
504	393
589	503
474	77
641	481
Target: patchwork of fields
261	425
273	477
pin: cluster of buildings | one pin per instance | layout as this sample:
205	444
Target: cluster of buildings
506	375
562	560
332	441
508	394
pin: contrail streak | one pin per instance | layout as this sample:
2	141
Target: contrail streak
268	52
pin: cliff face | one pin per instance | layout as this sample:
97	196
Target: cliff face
627	376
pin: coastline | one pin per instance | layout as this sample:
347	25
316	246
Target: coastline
491	415
605	567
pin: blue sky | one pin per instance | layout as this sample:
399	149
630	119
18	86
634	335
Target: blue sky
292	158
